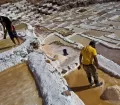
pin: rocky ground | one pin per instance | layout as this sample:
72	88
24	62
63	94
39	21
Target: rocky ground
71	30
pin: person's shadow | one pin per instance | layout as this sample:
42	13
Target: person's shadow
81	88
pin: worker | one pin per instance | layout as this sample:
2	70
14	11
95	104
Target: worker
8	27
88	59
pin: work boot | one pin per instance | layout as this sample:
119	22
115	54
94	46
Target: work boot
97	83
92	83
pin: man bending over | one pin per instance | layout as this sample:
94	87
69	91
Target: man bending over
8	27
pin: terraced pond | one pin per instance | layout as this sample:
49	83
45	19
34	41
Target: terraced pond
17	87
78	83
5	45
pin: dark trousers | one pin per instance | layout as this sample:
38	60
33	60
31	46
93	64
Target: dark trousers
12	34
91	72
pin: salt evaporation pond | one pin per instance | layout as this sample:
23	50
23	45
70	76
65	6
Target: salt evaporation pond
17	87
5	45
54	38
21	26
79	39
96	33
117	32
78	83
112	54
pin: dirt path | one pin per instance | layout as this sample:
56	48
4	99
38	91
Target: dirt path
17	87
91	96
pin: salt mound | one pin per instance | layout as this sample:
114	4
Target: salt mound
111	93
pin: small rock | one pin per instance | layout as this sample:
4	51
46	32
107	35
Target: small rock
66	93
111	25
48	61
64	71
69	68
76	64
35	45
82	10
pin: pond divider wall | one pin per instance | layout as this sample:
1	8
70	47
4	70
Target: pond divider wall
50	83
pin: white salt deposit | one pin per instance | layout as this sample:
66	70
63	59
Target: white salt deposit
50	83
15	55
109	66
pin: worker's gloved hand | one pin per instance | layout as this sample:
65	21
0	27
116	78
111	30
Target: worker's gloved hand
79	67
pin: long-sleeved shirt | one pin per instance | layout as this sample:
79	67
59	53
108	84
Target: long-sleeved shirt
6	22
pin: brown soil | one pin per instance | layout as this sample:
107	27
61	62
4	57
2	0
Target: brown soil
77	81
17	87
112	54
